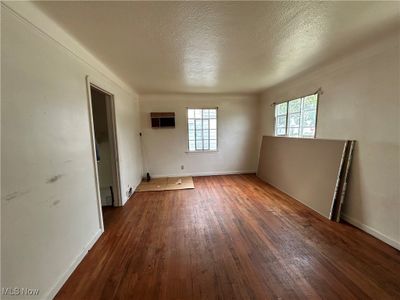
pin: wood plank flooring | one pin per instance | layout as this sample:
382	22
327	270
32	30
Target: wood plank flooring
232	237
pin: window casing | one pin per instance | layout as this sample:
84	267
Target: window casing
202	129
297	117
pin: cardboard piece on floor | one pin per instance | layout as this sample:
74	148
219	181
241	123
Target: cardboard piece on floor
155	184
180	183
166	184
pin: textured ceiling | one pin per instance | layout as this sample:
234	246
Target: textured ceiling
218	47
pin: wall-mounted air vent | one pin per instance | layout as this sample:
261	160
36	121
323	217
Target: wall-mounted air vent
162	119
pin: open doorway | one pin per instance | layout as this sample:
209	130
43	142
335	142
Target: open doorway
105	146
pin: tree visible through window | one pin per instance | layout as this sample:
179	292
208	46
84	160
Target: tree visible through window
297	118
202	129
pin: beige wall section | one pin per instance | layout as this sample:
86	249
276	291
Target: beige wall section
361	102
165	149
49	205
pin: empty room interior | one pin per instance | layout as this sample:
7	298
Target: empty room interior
200	150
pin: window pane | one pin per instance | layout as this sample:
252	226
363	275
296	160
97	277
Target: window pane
191	135
198	124
280	131
202	129
281	121
192	146
308	132
294	120
309	118
205	145
199	145
294	106
213	145
213	113
213	123
199	135
294	115
310	102
294	132
197	113
191	124
280	109
213	134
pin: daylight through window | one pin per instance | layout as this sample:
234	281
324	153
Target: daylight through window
202	129
297	118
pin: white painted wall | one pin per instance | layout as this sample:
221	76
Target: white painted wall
165	149
49	207
361	101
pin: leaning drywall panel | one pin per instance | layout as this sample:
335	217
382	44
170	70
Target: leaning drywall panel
305	169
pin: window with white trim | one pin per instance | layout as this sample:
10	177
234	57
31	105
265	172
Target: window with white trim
202	129
297	117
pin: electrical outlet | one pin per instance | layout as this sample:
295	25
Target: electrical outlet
182	167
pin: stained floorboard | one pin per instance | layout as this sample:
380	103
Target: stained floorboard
232	237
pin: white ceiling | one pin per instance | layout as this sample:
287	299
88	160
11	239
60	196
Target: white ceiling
218	47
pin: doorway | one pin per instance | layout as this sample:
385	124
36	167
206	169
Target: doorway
105	150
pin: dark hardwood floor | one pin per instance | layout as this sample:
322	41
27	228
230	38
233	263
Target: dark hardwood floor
233	237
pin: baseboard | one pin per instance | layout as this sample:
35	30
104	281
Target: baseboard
212	173
371	231
60	282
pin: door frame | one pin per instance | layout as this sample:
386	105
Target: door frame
112	131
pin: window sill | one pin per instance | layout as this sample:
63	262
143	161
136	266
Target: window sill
295	137
205	151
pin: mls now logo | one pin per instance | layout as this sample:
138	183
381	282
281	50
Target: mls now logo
17	291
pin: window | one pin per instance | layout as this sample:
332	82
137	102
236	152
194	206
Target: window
297	118
202	129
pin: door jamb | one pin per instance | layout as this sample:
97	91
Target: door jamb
113	143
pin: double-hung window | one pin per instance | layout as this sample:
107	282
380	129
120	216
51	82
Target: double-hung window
297	118
202	129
